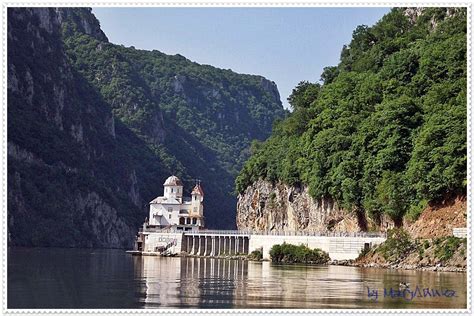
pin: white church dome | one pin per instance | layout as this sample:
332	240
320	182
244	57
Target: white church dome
173	180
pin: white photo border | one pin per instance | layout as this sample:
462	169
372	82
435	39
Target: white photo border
227	4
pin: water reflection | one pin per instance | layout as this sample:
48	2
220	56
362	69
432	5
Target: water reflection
211	283
85	278
191	282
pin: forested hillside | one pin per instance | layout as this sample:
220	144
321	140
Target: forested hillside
95	128
385	131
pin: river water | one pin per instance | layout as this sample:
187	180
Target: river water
106	278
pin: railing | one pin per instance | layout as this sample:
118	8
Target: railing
269	232
157	230
288	233
218	232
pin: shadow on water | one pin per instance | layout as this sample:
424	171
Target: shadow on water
85	278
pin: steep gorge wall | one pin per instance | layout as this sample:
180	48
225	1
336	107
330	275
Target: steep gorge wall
267	206
58	134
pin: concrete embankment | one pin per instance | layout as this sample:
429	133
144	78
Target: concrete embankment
339	246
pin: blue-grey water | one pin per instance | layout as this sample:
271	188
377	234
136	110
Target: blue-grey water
107	278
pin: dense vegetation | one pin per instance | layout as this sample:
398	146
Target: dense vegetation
288	253
220	108
385	131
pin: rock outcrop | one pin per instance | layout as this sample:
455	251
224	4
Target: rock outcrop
271	88
82	20
265	206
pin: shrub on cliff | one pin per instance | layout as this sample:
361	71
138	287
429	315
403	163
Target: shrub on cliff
446	247
287	253
397	245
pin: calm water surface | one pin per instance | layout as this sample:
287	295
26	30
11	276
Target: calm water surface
85	278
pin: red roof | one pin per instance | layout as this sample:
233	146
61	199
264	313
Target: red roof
198	190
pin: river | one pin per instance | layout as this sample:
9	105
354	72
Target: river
110	278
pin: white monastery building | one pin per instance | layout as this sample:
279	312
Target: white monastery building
174	210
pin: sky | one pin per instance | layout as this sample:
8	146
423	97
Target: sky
285	45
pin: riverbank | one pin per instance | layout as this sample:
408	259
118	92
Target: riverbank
401	251
400	266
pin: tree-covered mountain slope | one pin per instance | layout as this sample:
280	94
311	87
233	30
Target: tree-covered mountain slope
95	128
382	136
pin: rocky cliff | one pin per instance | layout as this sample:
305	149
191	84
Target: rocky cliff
95	128
267	206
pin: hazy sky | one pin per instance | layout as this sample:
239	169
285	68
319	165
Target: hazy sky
285	45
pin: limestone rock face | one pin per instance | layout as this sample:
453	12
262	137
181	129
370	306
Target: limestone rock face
103	221
413	13
264	206
156	128
271	88
84	20
57	140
